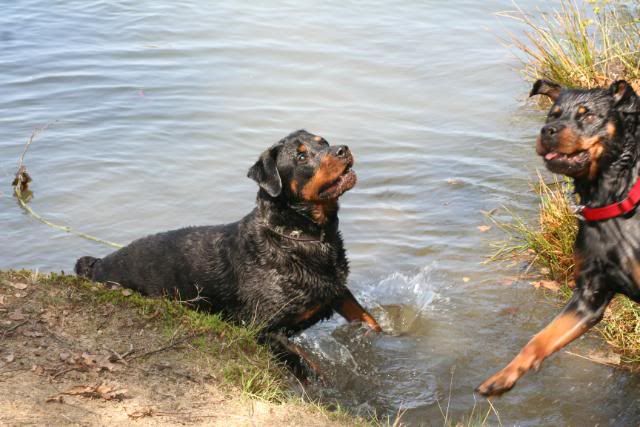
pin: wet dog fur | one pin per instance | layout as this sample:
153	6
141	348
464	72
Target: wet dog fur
282	267
593	137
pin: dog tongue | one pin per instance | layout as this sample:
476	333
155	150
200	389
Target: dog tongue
550	156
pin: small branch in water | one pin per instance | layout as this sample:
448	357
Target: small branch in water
23	194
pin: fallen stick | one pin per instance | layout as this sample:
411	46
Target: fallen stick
13	328
165	347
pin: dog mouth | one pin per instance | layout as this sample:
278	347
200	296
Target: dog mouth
334	189
567	164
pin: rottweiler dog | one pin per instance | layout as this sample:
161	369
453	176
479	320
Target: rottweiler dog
282	267
593	137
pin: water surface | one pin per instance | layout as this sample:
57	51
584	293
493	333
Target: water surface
156	112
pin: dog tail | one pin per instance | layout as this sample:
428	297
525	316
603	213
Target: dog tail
85	265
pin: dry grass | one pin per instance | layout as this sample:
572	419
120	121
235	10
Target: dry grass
581	44
550	244
550	240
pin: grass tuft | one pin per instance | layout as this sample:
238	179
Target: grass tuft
581	44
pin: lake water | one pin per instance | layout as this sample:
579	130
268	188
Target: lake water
157	110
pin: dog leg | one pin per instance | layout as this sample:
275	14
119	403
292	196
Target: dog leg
351	310
584	310
292	355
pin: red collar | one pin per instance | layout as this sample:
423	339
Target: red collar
615	209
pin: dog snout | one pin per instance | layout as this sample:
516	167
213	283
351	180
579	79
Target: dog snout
549	135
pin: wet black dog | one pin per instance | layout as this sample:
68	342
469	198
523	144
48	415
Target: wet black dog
593	137
282	267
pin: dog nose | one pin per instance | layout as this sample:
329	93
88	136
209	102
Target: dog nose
342	151
549	130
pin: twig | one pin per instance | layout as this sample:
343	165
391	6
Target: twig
64	371
56	336
22	200
117	355
591	359
165	347
13	328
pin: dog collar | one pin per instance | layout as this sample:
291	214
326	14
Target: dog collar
615	209
296	235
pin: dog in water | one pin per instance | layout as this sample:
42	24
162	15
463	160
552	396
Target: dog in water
282	267
593	137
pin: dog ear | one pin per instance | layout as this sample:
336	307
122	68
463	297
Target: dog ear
624	98
265	171
545	87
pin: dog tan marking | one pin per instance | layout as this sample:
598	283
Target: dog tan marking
321	212
582	110
294	186
570	143
578	262
351	310
317	138
560	332
329	170
308	314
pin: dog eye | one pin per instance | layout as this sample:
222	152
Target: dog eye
301	157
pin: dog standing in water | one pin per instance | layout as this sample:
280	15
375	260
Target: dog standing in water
593	137
282	267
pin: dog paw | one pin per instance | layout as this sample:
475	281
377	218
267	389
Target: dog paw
498	384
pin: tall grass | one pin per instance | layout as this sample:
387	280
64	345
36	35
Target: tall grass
581	44
551	238
549	241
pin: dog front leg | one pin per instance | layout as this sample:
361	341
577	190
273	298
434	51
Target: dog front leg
584	309
292	355
349	308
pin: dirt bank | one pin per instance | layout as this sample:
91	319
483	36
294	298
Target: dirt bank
73	352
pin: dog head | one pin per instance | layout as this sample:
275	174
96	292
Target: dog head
306	171
582	126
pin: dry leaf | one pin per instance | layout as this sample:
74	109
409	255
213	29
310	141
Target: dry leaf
97	362
509	311
32	334
56	399
127	292
466	279
551	285
141	413
10	357
20	286
2	299
17	315
484	228
37	369
100	391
